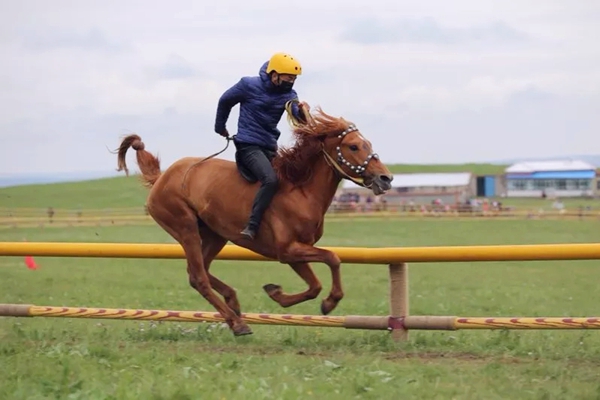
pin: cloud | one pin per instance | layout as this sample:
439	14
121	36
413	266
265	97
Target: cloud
430	81
81	140
176	67
543	126
91	40
428	30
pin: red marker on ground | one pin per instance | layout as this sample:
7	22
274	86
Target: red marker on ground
30	262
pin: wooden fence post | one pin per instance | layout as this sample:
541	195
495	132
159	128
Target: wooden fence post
399	307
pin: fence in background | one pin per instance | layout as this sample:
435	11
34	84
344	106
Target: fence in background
28	218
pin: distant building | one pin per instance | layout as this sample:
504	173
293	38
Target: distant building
569	178
489	185
450	188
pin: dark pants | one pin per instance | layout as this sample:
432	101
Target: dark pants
257	161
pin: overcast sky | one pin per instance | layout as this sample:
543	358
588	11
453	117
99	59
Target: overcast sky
427	82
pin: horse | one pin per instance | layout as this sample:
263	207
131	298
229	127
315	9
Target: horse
204	202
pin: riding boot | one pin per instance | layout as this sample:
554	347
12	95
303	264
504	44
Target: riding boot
249	231
262	200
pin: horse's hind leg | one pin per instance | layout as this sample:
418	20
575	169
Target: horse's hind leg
304	270
180	222
212	244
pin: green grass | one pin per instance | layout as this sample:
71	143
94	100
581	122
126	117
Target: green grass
476	169
92	359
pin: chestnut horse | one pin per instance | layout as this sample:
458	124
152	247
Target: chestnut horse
203	203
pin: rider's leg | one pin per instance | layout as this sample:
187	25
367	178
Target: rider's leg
257	162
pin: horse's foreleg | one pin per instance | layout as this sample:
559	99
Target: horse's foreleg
181	223
200	280
227	292
304	253
286	300
212	244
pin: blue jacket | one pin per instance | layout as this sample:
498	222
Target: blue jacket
261	108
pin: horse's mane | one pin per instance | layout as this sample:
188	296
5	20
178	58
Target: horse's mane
295	164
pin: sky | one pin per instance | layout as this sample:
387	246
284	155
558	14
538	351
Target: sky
427	82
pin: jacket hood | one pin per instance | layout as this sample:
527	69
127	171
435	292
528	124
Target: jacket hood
262	72
264	77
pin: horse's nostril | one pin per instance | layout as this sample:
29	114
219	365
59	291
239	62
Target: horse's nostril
386	178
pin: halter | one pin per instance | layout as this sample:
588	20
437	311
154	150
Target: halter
341	160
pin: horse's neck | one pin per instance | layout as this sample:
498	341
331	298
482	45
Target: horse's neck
324	183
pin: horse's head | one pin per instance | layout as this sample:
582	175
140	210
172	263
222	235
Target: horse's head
351	154
346	150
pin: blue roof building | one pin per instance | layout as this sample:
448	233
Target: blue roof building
569	178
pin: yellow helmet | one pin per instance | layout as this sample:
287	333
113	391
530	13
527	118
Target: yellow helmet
283	63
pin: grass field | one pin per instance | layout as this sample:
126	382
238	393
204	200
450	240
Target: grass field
477	169
92	359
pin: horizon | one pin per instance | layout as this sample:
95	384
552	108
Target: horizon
35	178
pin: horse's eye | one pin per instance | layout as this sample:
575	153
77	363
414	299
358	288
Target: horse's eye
353	147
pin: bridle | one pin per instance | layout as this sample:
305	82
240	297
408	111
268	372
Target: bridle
341	160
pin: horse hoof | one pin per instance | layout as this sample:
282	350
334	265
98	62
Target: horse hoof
242	330
326	307
271	288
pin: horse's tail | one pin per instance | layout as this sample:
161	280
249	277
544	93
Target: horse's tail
148	163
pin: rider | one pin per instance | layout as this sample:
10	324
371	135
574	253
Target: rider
262	99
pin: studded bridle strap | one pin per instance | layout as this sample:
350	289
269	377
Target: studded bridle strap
358	169
336	167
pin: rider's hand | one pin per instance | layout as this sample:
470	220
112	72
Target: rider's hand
304	106
224	133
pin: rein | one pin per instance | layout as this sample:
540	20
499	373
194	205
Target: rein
228	138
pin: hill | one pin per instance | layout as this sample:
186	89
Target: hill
99	193
7	180
124	191
477	169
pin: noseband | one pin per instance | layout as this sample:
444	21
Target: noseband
341	160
